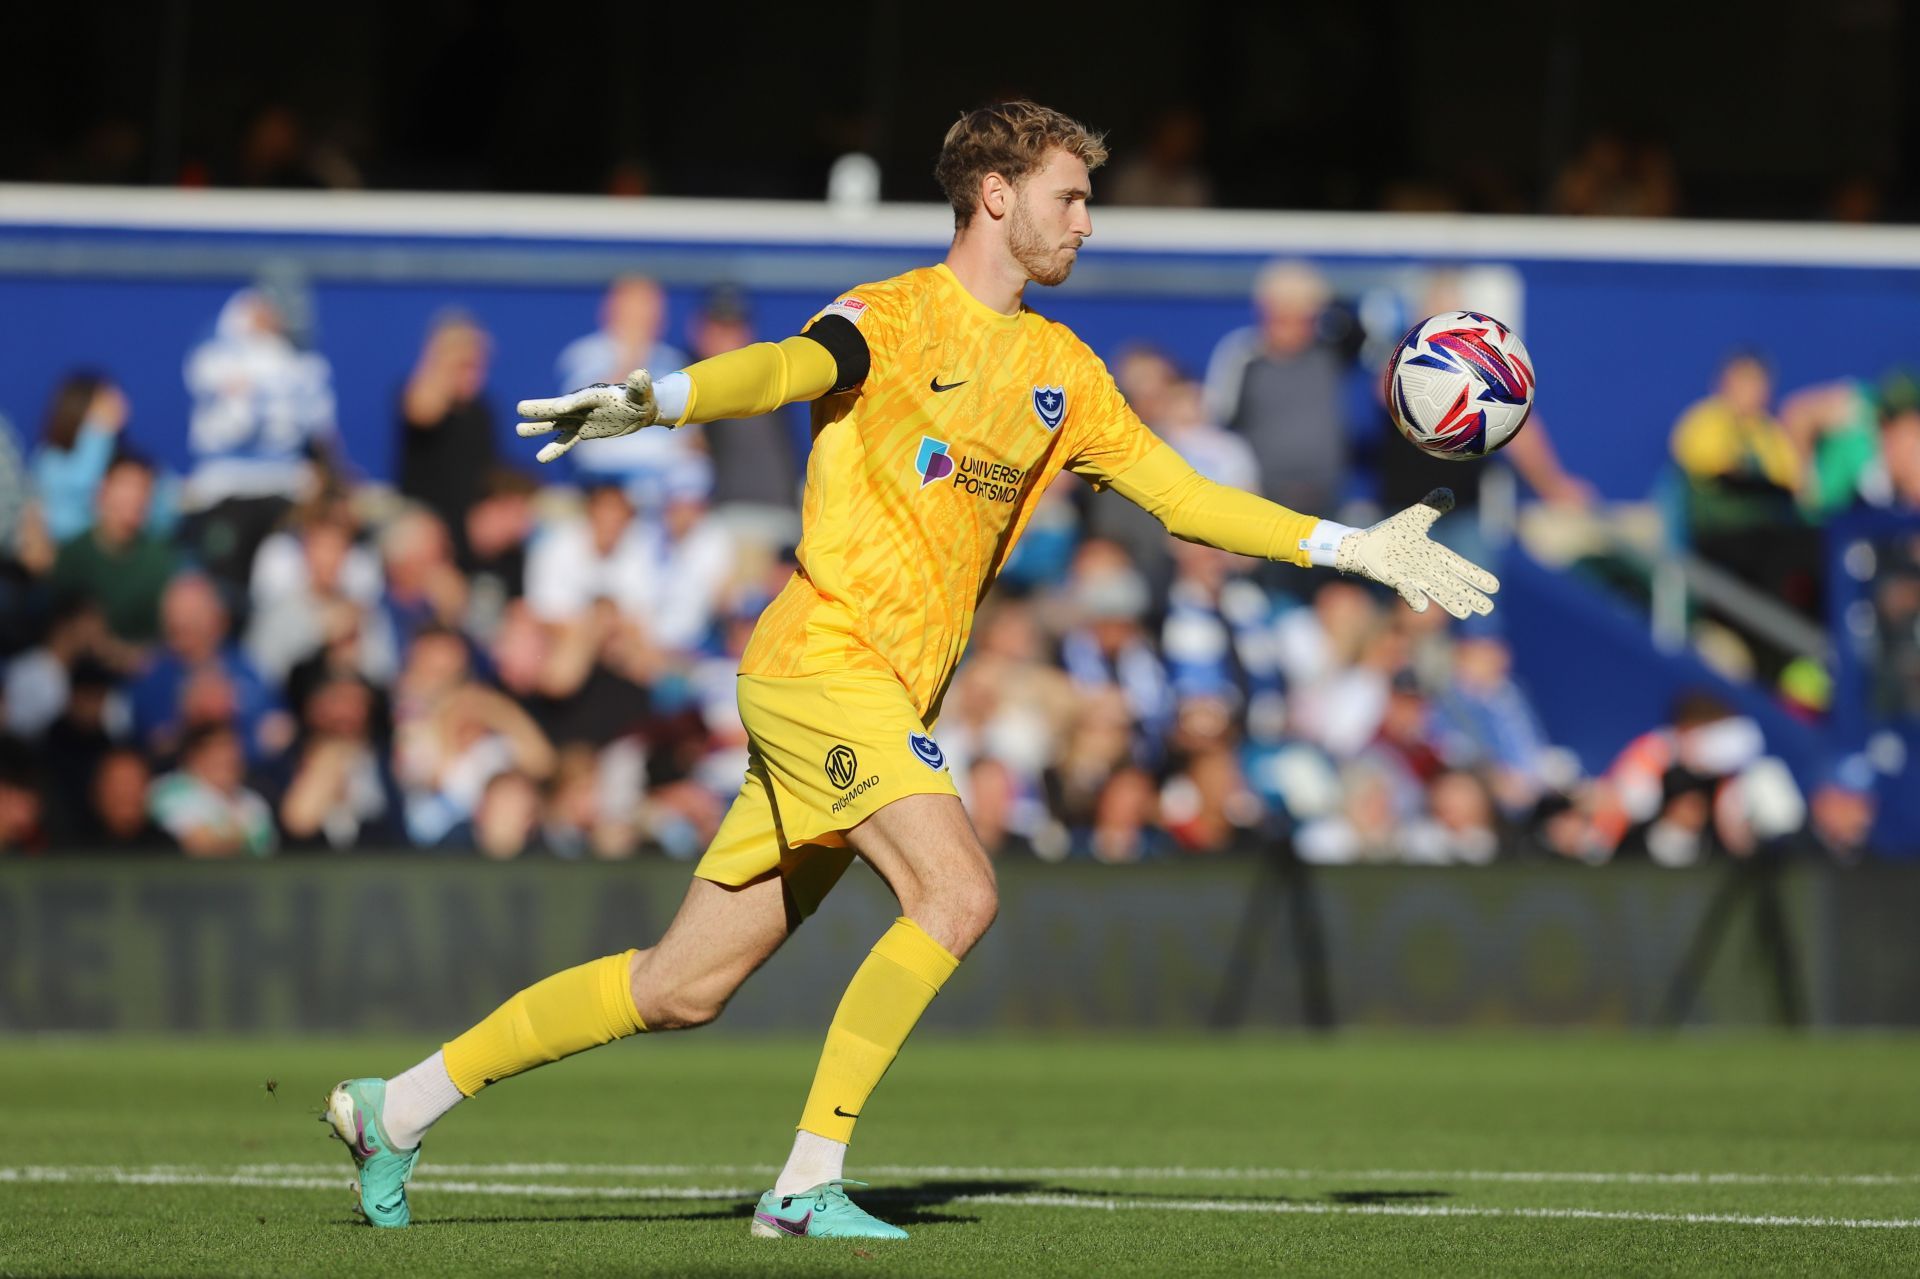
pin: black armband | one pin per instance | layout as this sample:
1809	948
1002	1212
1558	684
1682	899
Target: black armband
841	338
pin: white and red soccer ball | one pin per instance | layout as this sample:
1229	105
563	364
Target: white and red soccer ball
1460	385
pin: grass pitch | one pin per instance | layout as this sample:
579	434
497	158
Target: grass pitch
1360	1154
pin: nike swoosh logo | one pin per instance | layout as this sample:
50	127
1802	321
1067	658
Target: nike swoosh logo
937	387
360	1137
843	1114
791	1227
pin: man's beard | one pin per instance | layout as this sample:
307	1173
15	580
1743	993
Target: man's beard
1029	249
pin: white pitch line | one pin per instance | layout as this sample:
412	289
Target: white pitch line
174	1176
1174	1173
1435	1210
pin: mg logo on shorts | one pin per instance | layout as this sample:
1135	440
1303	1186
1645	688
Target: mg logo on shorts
841	766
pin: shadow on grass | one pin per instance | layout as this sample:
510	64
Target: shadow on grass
915	1205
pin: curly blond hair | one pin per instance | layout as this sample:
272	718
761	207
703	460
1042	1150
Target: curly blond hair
1011	139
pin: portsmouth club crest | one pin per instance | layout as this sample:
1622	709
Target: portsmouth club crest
927	751
1050	402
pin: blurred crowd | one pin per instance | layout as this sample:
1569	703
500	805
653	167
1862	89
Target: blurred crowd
1761	480
265	654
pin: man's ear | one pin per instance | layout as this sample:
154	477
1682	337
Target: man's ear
996	195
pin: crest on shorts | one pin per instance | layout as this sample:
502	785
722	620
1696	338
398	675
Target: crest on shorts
1050	402
927	751
842	764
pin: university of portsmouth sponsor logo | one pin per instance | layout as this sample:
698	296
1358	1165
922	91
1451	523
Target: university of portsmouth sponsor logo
1050	402
852	308
974	476
989	481
927	751
934	462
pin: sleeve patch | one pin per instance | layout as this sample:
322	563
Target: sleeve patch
852	308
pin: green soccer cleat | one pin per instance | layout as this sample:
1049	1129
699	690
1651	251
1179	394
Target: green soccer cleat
823	1212
353	1112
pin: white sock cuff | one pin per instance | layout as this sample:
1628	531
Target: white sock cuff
670	395
416	1099
1323	543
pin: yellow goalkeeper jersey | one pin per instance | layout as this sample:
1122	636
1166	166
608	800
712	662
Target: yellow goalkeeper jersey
922	479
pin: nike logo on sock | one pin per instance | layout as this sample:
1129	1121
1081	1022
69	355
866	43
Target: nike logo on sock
843	1114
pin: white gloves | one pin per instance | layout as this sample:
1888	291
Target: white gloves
1397	552
598	412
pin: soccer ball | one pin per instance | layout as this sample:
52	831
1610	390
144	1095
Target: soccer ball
1460	385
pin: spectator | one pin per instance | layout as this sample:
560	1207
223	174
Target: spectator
1281	386
1342	711
20	517
446	425
452	734
38	680
1167	172
1461	828
633	318
507	822
205	805
93	724
1842	812
1666	777
756	466
692	552
567	676
1124	818
262	415
76	443
1218	636
424	587
116	563
1109	646
1145	376
499	527
1744	474
1486	721
1404	749
200	676
301	577
118	819
1614	176
341	793
1365	829
1206	805
23	824
604	553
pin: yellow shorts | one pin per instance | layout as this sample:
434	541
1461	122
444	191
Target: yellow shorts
826	753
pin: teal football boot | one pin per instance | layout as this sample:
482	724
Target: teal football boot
823	1212
353	1112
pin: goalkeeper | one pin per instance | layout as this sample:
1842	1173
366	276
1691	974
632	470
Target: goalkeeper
942	410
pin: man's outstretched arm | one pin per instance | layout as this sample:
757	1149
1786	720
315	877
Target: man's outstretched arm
1395	552
830	356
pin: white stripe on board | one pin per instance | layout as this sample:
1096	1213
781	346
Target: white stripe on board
1474	237
169	1177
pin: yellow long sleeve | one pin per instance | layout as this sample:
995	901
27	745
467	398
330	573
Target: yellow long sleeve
1195	509
757	379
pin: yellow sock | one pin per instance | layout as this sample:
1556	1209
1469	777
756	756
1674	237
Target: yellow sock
570	1011
892	988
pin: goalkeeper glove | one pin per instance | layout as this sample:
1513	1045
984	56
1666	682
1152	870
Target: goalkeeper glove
598	412
1397	552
